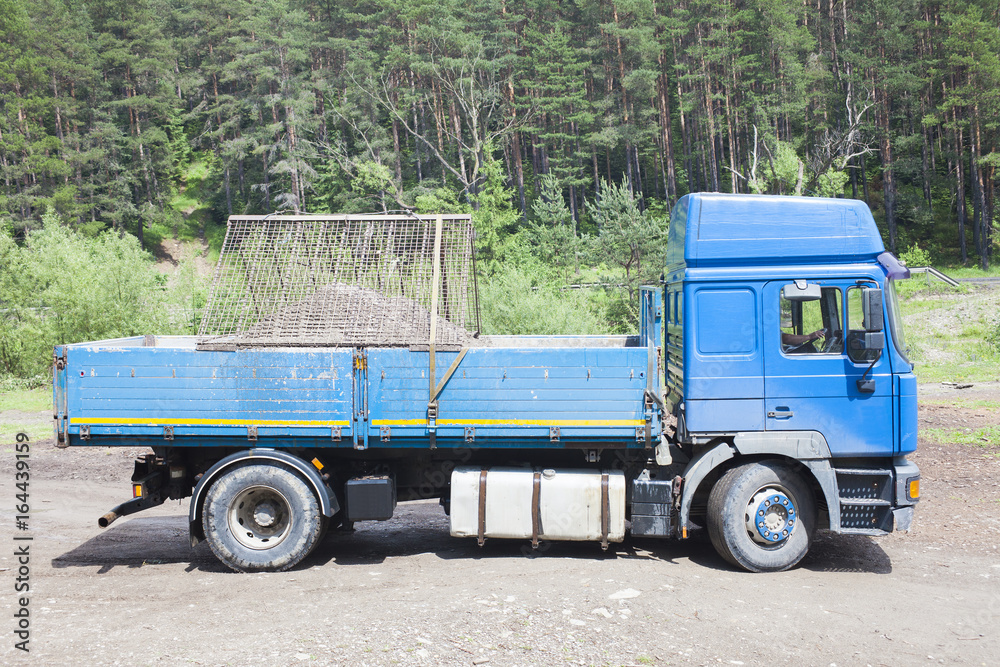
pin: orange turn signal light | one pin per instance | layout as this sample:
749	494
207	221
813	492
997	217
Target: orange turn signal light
913	489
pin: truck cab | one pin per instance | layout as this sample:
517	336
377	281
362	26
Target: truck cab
786	360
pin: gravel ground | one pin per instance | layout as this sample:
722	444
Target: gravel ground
405	592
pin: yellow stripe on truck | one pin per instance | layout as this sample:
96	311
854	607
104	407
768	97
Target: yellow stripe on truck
143	421
511	422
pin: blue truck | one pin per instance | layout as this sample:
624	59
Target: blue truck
767	394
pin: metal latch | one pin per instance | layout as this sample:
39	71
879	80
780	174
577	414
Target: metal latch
384	433
85	432
432	415
553	434
168	432
470	433
252	433
335	434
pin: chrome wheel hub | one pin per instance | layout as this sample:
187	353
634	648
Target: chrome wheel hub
259	517
771	517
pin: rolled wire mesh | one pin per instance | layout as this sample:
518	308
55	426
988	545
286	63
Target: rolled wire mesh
349	280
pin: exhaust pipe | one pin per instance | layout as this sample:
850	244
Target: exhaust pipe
130	507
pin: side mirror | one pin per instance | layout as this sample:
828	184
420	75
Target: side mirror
871	308
867	340
800	290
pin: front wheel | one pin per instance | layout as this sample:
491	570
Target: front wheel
761	517
261	517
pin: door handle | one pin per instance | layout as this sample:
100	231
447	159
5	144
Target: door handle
780	414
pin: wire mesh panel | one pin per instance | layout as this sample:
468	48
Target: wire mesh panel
347	280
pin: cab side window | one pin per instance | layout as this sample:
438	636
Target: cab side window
813	326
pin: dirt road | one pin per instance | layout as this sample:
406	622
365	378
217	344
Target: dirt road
404	592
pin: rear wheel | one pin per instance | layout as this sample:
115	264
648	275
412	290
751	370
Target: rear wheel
761	517
261	517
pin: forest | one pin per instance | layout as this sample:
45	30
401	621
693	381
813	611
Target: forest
568	128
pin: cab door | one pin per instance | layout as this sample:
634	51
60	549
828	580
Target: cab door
814	386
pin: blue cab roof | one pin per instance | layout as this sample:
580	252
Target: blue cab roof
714	229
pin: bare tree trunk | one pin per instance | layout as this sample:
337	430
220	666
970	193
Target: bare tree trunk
439	121
597	175
456	123
960	186
864	181
666	132
713	163
978	191
685	136
924	161
267	185
733	183
517	157
854	180
398	151
229	194
888	177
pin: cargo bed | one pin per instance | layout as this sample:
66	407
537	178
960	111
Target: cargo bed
508	391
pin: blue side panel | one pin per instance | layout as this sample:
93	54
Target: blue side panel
137	391
724	415
724	363
907	411
512	393
118	392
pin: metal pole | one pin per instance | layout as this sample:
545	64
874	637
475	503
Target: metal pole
439	222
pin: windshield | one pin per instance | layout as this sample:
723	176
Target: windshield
896	321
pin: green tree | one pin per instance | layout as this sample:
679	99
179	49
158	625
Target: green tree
630	239
552	235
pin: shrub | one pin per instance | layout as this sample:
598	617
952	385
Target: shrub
915	256
63	287
510	306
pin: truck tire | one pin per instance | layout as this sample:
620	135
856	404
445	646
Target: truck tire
761	517
261	517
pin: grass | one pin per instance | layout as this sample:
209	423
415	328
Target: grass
970	367
33	414
987	437
968	403
953	333
957	271
27	400
37	426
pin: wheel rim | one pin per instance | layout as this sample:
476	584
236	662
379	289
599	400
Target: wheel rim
259	517
771	516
